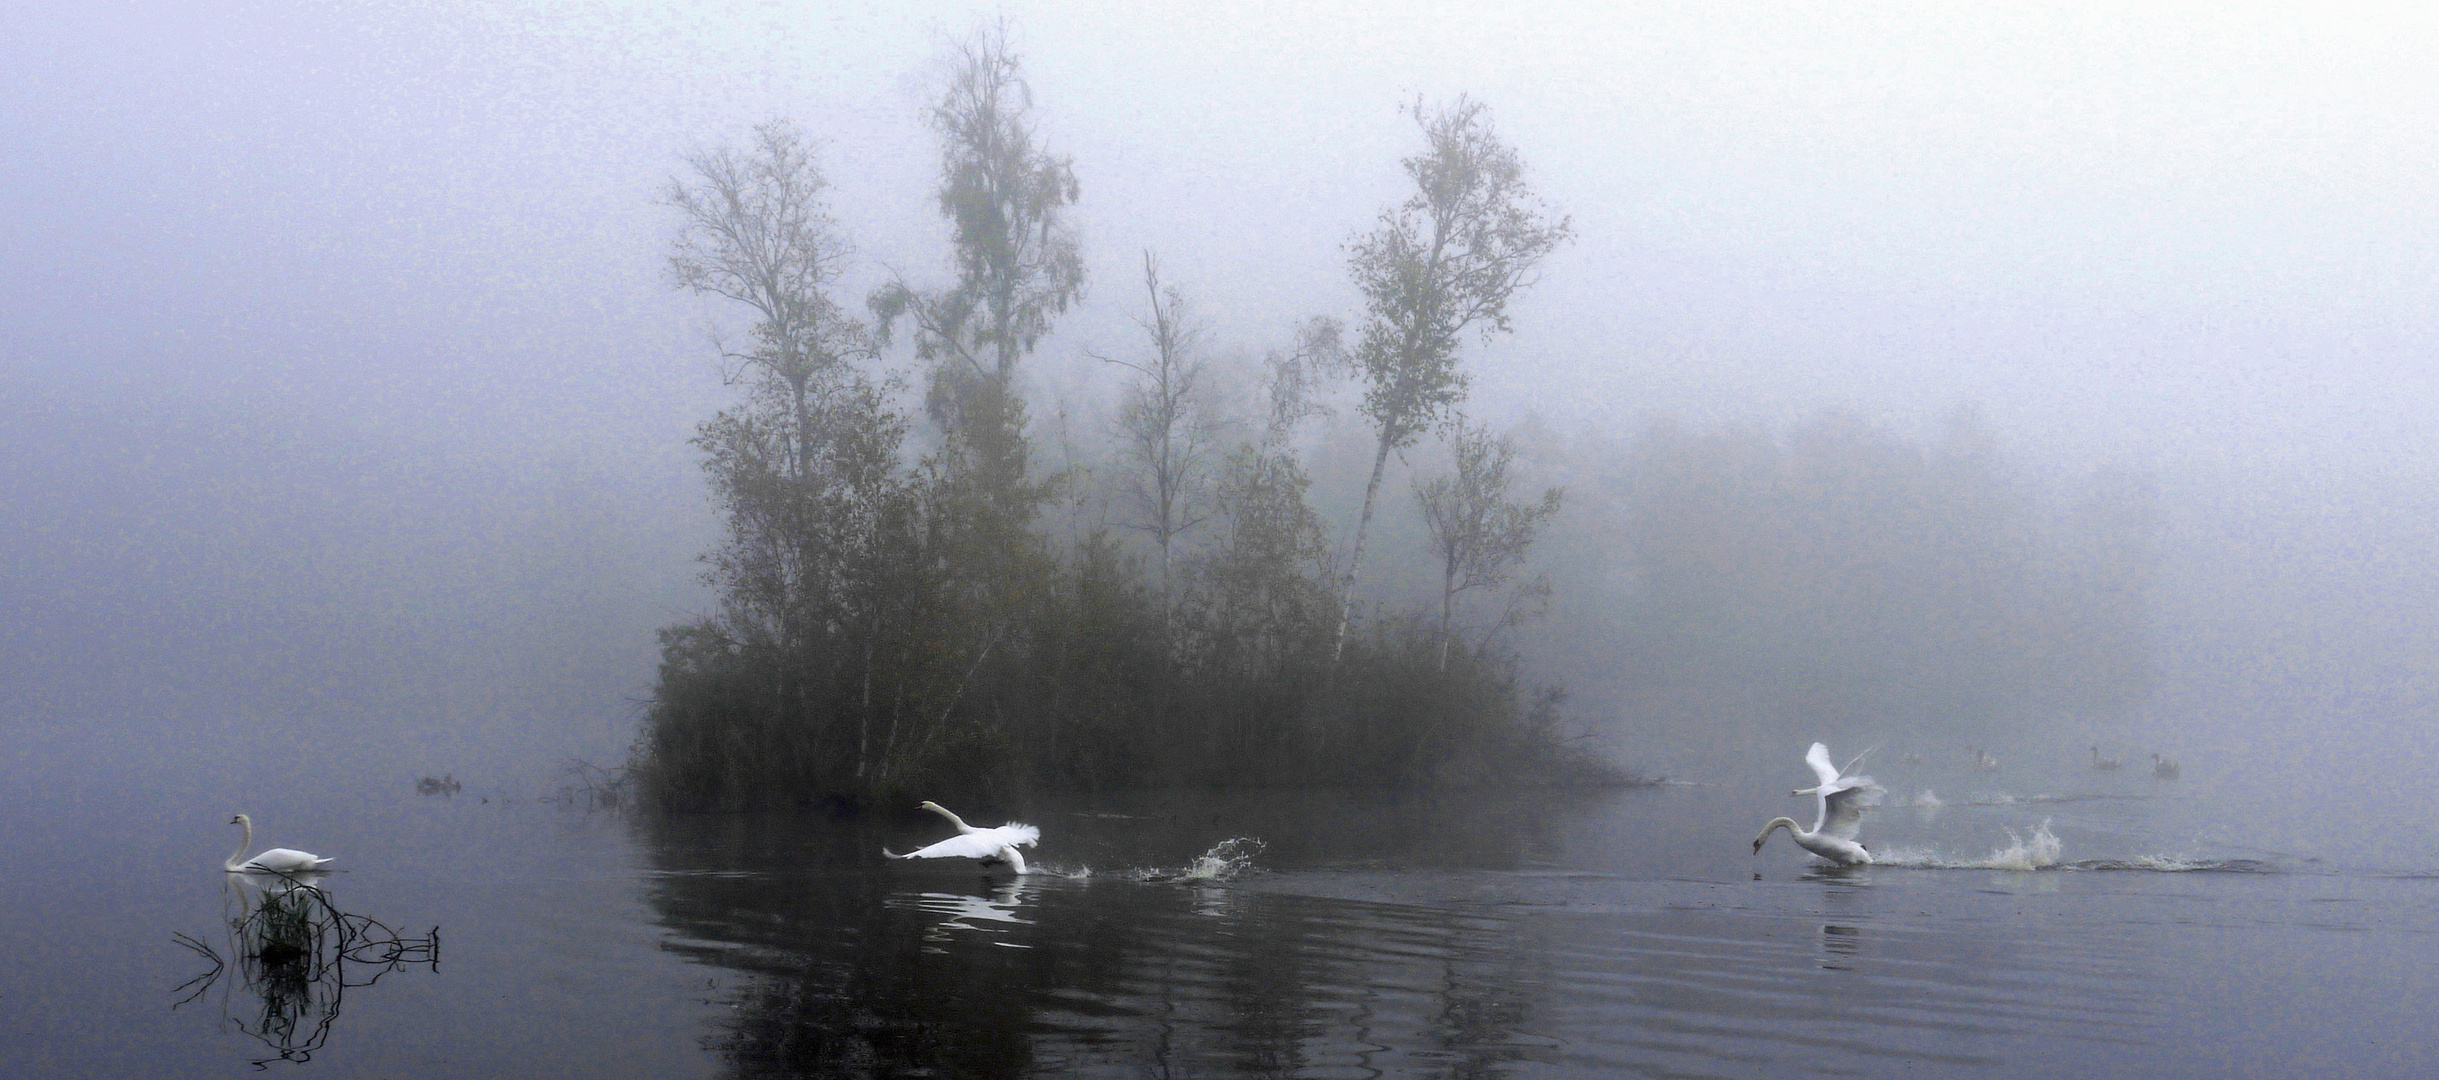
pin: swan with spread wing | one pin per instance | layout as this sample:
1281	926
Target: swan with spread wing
1843	796
990	847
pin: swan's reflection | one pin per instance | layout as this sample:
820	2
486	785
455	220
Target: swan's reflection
964	911
296	955
1841	946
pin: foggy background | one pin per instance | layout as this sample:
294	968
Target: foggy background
344	405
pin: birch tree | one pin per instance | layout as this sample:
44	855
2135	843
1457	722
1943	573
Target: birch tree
804	467
1443	262
757	230
1477	534
1016	256
1166	428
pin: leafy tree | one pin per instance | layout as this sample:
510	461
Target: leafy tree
1017	260
1018	267
1444	261
758	231
1294	378
1478	536
805	468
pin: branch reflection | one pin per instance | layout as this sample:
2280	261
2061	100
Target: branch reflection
295	954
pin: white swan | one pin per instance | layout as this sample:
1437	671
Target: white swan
1843	798
278	860
2164	768
988	846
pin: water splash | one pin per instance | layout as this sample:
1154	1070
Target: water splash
1226	861
2038	851
2035	852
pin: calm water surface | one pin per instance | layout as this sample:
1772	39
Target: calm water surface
1546	934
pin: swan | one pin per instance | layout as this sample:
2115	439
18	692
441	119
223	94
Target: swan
278	860
988	846
2101	764
1982	759
1842	798
2165	768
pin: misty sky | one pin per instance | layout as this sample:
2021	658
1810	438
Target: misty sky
344	304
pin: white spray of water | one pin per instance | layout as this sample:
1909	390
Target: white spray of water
2038	851
2034	852
1226	861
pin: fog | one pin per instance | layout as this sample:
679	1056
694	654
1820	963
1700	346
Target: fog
347	402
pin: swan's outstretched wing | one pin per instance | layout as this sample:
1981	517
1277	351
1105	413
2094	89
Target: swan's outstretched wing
1842	810
1857	760
1015	834
1818	758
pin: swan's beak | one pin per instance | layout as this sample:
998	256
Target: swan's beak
1757	847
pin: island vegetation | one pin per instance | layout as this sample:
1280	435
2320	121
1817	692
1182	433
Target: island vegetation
922	588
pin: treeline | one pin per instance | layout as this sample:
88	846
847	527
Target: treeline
1835	575
897	614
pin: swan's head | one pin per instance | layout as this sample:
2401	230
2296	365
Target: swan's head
1757	843
934	807
241	819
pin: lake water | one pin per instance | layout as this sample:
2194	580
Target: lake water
2081	923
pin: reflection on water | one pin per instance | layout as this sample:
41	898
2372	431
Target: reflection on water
1144	966
1546	934
1840	945
1425	941
296	955
969	912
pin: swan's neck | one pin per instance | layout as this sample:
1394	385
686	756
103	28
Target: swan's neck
962	827
243	843
1775	824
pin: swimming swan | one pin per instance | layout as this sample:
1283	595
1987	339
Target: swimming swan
2101	764
278	860
1843	798
2165	768
987	846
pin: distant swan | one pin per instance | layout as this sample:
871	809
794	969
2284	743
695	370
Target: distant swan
987	846
1982	759
278	860
1842	799
2165	768
2101	764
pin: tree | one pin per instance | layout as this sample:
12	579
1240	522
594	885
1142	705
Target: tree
1479	536
1166	428
1017	267
758	231
805	468
1294	377
1018	264
1444	261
